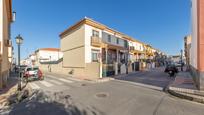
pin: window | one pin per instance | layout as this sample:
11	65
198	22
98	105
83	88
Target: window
95	33
125	44
109	38
117	40
94	55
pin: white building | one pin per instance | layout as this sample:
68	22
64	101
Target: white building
47	55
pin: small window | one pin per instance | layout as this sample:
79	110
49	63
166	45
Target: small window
109	38
94	55
95	33
117	40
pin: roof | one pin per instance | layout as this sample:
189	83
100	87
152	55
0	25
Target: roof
98	25
49	49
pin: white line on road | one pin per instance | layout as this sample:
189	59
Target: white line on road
65	80
45	83
142	85
34	86
56	82
73	79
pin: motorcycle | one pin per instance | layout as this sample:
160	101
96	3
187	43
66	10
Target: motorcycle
171	70
171	73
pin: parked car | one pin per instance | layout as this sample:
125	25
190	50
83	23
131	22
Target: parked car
33	73
21	68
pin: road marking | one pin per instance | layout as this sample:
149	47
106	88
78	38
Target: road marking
34	86
142	85
51	76
65	80
74	79
45	83
71	78
56	82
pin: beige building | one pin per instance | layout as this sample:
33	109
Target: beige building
94	50
187	47
5	43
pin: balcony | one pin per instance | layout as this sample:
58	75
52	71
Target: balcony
96	41
132	48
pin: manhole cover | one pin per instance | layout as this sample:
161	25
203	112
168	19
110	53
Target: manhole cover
101	95
83	84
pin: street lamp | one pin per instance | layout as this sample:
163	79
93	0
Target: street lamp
19	41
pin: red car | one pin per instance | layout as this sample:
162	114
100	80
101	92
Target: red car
33	73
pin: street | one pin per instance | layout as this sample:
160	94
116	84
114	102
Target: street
153	77
76	97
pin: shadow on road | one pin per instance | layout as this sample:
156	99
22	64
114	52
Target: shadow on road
41	103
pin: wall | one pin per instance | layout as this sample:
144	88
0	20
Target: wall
193	58
4	36
90	72
138	46
88	47
1	38
72	46
201	43
44	54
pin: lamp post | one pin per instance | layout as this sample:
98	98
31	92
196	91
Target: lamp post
19	41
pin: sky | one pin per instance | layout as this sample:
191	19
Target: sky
161	23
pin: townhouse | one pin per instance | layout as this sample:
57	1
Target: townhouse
91	49
197	44
5	42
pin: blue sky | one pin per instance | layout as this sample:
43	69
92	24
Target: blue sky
161	23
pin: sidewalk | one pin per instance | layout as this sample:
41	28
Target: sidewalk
183	87
9	90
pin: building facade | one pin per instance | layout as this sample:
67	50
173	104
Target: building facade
94	50
197	45
187	47
47	55
5	43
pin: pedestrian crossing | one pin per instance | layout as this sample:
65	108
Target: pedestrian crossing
56	82
34	86
50	81
65	80
45	83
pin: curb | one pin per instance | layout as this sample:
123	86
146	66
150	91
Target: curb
186	96
102	80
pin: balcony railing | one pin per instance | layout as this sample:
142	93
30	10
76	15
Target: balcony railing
96	41
132	48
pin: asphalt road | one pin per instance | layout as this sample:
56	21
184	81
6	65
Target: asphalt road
155	77
65	96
